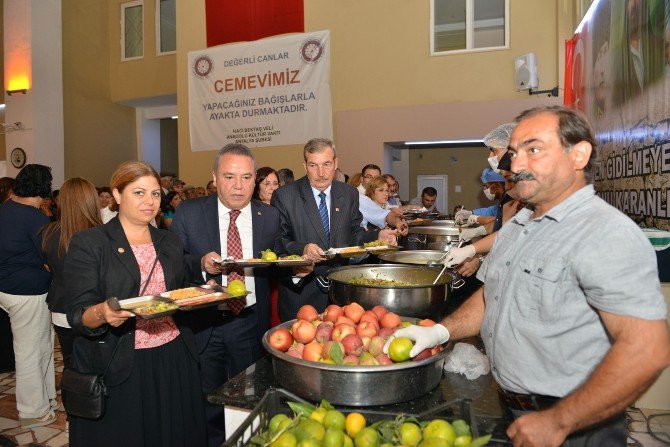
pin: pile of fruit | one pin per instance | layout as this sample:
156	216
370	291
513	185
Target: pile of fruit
324	426
347	335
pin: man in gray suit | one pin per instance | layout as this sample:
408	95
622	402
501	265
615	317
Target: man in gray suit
316	213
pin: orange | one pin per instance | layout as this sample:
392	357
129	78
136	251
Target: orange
399	349
353	423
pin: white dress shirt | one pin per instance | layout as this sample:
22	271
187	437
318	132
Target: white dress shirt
316	193
244	226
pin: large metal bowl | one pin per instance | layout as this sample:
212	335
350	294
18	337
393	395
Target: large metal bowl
413	257
421	299
356	385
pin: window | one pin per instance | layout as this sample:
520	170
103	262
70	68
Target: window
166	27
459	26
132	30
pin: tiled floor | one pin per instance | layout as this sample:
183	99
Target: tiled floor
55	435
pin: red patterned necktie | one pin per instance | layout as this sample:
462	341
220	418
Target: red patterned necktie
234	250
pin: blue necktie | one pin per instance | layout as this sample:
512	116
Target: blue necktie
323	212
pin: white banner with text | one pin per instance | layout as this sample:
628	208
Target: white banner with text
269	92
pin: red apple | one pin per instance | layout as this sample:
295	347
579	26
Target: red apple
386	332
422	355
293	352
323	333
281	339
298	346
350	360
303	331
376	345
332	313
342	330
366	342
370	316
354	311
380	311
366	328
312	351
390	320
307	312
427	322
353	345
436	349
384	359
342	319
367	359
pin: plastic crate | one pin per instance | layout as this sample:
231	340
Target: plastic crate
275	401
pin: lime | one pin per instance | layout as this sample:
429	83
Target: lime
309	429
334	419
399	349
333	438
276	422
348	442
368	437
461	427
285	440
269	255
434	442
318	414
439	428
236	287
410	434
463	441
308	443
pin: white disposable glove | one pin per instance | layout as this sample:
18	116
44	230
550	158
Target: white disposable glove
423	337
457	255
472	219
462	216
471	233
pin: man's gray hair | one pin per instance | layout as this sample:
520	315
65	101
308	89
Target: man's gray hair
233	149
318	145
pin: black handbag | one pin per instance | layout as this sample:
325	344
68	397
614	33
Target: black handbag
86	393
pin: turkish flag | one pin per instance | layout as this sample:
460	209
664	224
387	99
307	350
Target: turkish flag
247	20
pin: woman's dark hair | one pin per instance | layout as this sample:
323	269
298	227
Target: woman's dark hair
6	184
166	205
33	181
261	175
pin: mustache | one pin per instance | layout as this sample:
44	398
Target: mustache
522	175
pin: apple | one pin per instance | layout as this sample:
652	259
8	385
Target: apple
366	342
367	359
390	320
303	331
307	312
293	352
312	351
354	311
353	345
436	349
329	347
298	346
384	359
332	312
380	311
427	322
422	355
386	332
281	339
350	360
342	319
342	330
376	345
323	332
367	329
370	316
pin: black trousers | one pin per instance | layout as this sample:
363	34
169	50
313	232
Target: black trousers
610	433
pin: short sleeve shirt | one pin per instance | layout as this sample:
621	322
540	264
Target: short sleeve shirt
545	280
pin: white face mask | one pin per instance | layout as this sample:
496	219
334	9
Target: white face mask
489	195
493	161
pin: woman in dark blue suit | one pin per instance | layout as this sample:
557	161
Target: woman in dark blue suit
152	380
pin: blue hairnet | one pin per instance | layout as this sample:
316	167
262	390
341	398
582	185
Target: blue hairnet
491	176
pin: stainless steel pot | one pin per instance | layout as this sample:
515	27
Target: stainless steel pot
356	385
422	299
422	257
436	236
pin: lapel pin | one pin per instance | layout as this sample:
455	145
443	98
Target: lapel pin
259	213
337	209
121	250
